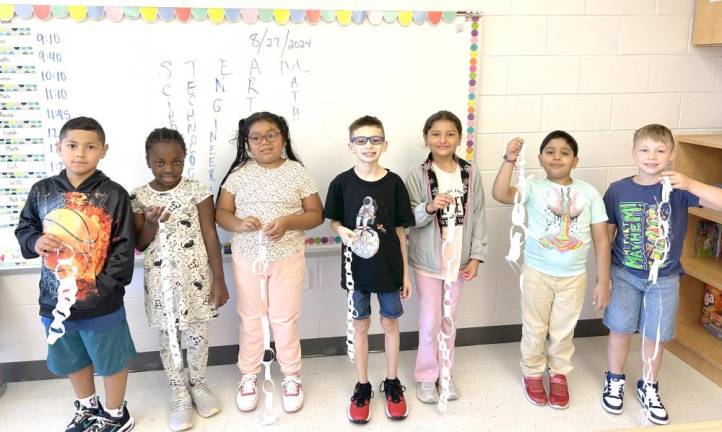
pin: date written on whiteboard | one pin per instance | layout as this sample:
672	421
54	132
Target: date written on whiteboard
272	41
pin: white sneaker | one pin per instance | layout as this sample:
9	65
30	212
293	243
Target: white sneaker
426	392
247	396
204	400
180	411
292	393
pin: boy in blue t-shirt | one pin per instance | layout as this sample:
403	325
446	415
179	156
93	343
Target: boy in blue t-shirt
566	215
80	222
637	304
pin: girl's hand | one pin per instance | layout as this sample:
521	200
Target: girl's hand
406	289
219	293
469	270
276	228
155	214
47	243
441	201
347	236
249	224
513	148
678	180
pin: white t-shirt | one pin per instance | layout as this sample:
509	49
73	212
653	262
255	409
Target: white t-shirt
451	184
268	194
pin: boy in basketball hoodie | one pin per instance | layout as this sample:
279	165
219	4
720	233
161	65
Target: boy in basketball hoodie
80	223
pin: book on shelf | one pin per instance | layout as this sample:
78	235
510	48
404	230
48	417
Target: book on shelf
712	310
707	242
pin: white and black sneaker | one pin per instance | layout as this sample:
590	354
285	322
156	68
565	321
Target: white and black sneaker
84	417
648	394
613	396
104	422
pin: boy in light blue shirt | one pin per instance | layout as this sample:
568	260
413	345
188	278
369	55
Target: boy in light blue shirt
565	216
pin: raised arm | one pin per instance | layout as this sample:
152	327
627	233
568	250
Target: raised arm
502	190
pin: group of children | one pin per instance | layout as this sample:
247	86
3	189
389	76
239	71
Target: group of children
86	227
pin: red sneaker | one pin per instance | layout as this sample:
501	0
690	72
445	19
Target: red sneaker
558	392
396	408
359	411
534	390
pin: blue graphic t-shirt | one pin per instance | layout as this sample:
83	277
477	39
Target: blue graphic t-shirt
633	209
560	220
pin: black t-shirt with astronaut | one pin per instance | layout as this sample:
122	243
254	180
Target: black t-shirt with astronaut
373	210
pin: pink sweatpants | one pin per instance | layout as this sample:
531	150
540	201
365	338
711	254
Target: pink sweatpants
285	298
431	296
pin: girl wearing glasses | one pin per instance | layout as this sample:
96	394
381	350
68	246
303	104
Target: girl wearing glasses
443	187
268	190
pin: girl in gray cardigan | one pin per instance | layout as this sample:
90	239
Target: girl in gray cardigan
442	188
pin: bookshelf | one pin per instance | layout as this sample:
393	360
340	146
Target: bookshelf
700	157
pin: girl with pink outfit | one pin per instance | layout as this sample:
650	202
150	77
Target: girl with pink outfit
268	190
444	186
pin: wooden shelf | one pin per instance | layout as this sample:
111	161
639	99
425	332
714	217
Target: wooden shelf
705	213
700	157
707	28
701	140
707	269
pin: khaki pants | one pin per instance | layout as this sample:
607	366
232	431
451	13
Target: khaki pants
549	306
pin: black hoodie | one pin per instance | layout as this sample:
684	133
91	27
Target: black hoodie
95	224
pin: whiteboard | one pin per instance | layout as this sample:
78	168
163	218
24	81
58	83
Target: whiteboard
201	78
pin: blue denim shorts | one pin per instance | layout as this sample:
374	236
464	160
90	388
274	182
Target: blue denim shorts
389	304
630	310
107	350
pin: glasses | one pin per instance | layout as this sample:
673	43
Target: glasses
362	140
270	136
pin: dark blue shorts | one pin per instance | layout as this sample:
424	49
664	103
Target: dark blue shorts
389	304
107	350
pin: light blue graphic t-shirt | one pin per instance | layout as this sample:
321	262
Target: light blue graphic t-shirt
559	223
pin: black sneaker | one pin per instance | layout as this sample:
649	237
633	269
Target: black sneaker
648	394
84	417
104	422
613	396
359	411
396	408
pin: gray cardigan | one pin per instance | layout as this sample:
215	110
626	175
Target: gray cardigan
425	237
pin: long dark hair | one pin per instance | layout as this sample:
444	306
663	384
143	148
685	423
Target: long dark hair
244	125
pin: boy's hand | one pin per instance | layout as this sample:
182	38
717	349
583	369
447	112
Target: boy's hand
219	292
441	201
347	236
678	180
155	214
513	148
47	243
249	224
406	289
600	296
276	228
469	270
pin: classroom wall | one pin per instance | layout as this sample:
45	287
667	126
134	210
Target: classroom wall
597	68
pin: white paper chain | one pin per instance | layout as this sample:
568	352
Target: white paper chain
351	312
67	292
662	244
167	267
448	251
260	268
518	229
